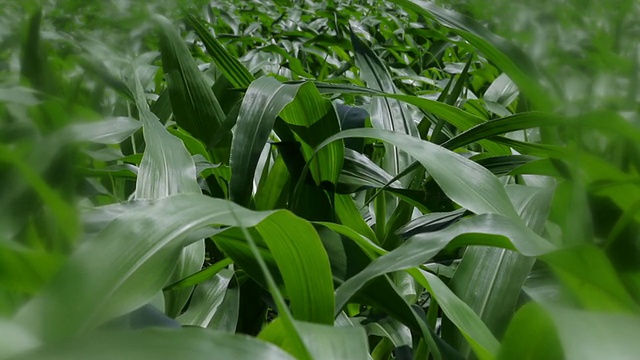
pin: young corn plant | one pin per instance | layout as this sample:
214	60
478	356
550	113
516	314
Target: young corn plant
338	180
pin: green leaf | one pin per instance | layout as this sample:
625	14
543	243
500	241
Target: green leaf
503	125
304	265
166	169
233	70
18	95
201	275
323	341
64	214
590	276
490	280
110	131
483	343
531	335
387	114
506	56
159	344
313	119
596	335
398	333
206	300
70	305
451	114
358	171
509	164
465	182
264	100
487	229
350	216
272	186
195	108
15	339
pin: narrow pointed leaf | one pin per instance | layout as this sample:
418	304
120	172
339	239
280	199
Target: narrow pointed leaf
194	105
111	131
503	125
350	216
233	70
510	59
487	229
482	341
451	114
358	171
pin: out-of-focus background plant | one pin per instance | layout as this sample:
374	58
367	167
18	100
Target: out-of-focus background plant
320	180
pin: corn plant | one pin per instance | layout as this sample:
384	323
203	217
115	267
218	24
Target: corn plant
335	180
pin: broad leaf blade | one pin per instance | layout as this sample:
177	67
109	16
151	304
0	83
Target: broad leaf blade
387	114
167	169
464	181
264	100
304	265
323	341
313	119
206	299
490	280
159	344
70	305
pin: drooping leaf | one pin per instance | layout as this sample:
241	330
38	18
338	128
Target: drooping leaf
503	125
159	344
455	116
487	229
167	169
110	131
464	181
69	305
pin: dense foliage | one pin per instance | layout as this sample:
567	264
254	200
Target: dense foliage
319	180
